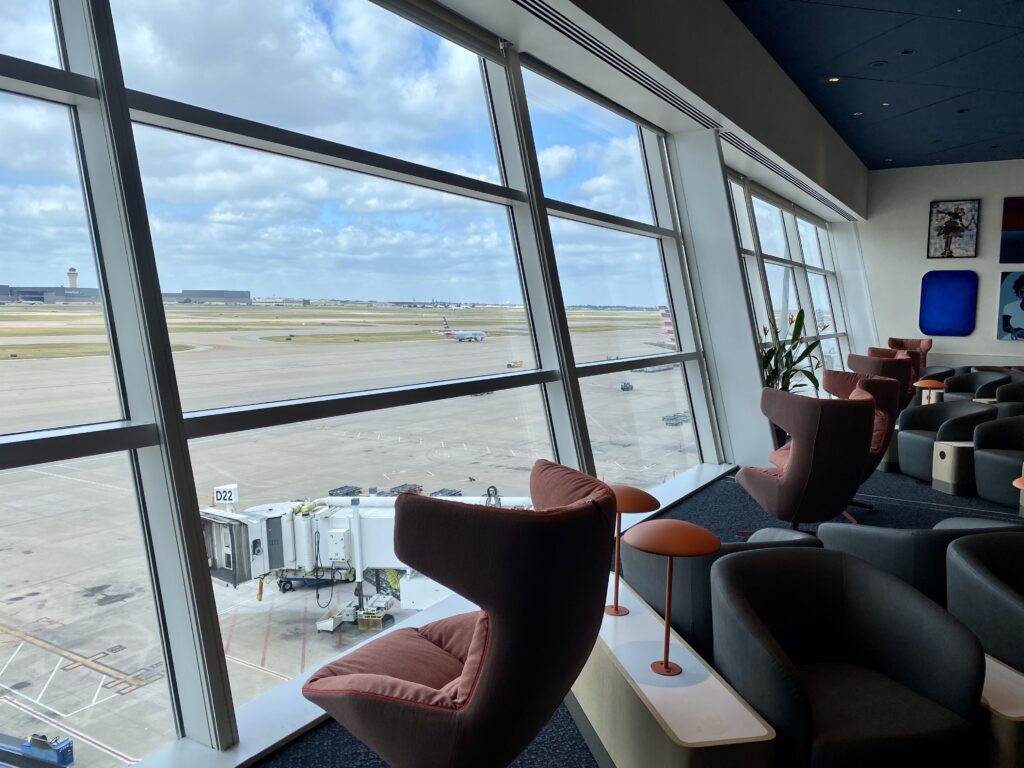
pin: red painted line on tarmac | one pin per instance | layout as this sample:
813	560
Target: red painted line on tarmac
231	631
61	726
266	636
305	631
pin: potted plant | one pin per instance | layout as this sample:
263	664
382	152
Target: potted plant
789	363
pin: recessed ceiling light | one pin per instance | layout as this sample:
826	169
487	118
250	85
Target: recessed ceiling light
857	114
888	159
906	51
885	103
878	63
833	79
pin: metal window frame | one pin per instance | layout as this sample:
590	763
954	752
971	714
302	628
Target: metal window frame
156	434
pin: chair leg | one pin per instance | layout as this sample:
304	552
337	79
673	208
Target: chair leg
851	518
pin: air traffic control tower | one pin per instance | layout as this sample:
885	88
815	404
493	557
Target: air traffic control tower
72	278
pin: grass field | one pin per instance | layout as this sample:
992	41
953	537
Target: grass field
41	351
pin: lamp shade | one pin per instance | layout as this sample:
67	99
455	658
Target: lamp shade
630	500
673	538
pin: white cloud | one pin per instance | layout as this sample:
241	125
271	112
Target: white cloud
556	161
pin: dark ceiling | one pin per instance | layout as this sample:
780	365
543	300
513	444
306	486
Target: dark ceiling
921	82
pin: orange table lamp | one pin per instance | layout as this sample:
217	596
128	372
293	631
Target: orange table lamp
671	538
628	500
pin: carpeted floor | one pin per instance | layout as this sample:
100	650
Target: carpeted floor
900	502
559	745
723	507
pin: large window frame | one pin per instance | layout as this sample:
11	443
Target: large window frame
755	263
155	432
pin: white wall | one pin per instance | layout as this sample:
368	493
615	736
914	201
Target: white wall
894	242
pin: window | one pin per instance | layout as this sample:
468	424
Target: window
588	155
266	321
348	71
794	253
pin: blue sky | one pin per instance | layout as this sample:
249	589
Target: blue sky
346	70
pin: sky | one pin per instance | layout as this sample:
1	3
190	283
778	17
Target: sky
345	70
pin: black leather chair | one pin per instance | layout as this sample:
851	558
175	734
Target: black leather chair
691	581
920	426
851	666
986	591
999	459
1010	393
914	555
968	386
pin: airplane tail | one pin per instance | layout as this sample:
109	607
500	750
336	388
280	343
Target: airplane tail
670	330
447	328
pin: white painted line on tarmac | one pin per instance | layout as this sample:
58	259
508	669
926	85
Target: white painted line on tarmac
22	695
107	749
7	663
49	680
103	679
82	480
257	667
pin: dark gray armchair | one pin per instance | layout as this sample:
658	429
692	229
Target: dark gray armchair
1011	393
851	666
914	555
999	459
967	386
986	592
921	425
691	582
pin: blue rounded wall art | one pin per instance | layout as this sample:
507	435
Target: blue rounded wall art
949	302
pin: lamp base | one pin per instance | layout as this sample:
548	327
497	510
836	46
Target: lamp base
668	669
616	610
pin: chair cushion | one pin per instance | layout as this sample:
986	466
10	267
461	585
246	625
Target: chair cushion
995	470
462	687
780	456
863	718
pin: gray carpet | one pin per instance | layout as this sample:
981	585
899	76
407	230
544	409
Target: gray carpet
559	745
899	502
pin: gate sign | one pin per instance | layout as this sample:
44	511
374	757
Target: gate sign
226	494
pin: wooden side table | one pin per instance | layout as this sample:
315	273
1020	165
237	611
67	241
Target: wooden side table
671	538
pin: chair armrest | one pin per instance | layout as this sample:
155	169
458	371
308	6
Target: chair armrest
752	661
379	687
962	427
929	417
895	629
989	388
1007	434
888	549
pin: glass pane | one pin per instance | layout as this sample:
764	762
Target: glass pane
80	652
757	298
55	365
613	286
26	31
739	205
837	306
640	425
459	446
823	317
809	243
785	301
290	279
770	229
831	356
588	155
347	71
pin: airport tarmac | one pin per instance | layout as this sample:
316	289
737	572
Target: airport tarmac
79	651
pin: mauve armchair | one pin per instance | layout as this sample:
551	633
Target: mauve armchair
898	369
886	395
473	690
921	346
913	355
820	469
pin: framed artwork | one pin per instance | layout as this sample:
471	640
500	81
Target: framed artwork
1011	307
1011	242
949	302
953	229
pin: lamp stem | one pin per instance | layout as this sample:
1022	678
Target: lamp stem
618	544
668	608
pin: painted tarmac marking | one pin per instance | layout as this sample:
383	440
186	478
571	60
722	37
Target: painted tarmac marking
257	667
48	681
106	748
82	480
130	681
266	636
7	663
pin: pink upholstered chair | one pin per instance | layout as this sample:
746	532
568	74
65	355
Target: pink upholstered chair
473	690
820	469
922	346
904	366
886	396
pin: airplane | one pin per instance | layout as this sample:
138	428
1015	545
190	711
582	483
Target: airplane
449	333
